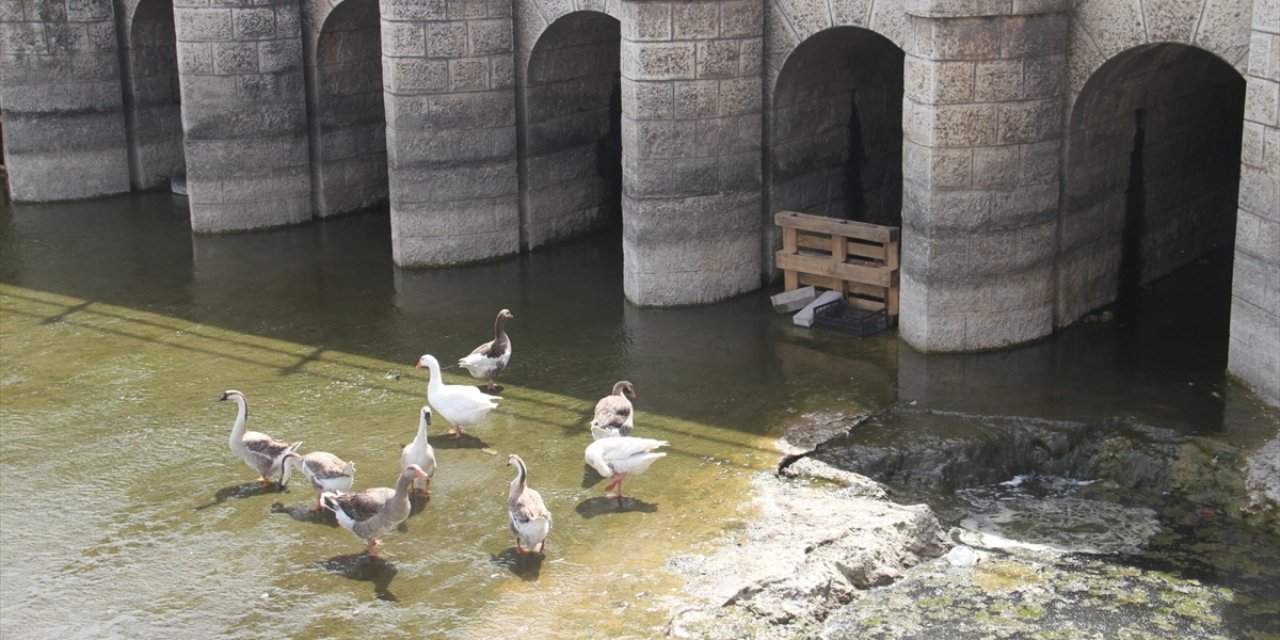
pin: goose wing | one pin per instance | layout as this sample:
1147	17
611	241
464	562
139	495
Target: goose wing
613	413
266	448
528	507
325	466
366	504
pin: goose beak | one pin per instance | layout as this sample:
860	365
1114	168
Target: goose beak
221	398
419	473
418	366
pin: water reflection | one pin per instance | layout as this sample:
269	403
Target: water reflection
526	566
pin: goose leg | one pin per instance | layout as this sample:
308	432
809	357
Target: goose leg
317	506
373	547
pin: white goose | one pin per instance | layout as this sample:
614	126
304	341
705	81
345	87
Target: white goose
325	472
462	405
530	519
622	456
490	359
261	452
614	416
372	511
419	452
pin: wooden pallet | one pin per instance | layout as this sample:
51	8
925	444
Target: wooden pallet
857	259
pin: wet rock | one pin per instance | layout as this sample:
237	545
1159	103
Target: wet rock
809	550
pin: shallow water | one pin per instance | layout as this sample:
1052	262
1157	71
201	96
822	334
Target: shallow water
122	503
120	497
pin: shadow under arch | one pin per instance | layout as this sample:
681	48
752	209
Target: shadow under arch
570	138
834	138
152	95
1151	175
347	123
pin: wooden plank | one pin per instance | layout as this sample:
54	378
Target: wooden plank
789	280
833	226
880	276
818	281
823	243
869	305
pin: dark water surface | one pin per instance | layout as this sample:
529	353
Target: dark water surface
125	515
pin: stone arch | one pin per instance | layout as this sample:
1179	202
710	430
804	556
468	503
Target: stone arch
1103	29
835	128
570	129
348	121
152	93
1151	172
791	22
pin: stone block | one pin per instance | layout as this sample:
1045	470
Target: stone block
996	167
998	81
855	13
696	99
472	110
741	18
64	37
956	39
281	89
1255	343
1044	77
740	96
489	37
256	23
1110	26
1224	30
1040	162
467	9
235	57
203	25
413	9
1033	36
717	59
403	39
646	21
965	124
275	56
695	21
658	61
502	70
1259	192
446	39
648	100
806	17
88	10
469	74
1029	121
660	139
415	75
1262	102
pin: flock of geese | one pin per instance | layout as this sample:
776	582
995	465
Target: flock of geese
614	453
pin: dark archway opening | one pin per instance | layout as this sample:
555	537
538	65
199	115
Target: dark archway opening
572	136
1152	178
153	99
349	129
835	143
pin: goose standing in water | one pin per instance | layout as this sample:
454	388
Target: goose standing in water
325	472
622	456
460	404
614	416
530	519
419	452
261	452
488	360
371	512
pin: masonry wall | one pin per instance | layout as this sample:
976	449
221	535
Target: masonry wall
153	109
350	155
572	130
981	154
1254	350
244	114
448	69
60	93
691	122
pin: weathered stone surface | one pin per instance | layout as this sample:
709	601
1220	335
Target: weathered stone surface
809	551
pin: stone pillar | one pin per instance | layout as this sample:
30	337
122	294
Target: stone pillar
448	73
64	133
244	113
691	127
982	135
1254	352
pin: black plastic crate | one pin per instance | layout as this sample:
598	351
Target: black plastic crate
840	316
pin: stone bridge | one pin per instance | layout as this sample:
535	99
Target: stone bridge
1040	155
